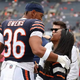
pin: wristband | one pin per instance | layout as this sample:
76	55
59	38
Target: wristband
61	60
64	61
46	54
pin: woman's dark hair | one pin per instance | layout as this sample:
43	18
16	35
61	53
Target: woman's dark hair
64	47
60	23
65	44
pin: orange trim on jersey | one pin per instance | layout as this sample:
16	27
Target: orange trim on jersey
61	76
46	74
36	27
55	63
26	75
38	24
0	29
69	30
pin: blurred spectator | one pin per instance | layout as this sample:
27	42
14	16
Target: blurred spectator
1	57
72	9
74	68
65	8
77	23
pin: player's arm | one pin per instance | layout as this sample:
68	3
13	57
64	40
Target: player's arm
37	48
35	42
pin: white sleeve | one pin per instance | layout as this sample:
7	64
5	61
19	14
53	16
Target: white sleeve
1	38
74	68
37	33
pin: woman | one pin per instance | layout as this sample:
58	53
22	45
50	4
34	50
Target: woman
63	41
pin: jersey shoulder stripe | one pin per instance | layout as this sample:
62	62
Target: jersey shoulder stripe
36	28
37	25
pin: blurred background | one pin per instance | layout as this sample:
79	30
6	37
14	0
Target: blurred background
67	11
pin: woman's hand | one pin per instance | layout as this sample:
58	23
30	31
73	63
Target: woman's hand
35	67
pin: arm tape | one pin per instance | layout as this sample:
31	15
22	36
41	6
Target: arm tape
46	54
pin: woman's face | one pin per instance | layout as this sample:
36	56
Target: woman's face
56	35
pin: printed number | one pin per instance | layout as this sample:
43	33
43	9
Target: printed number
15	43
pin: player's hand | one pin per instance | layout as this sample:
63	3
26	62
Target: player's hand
35	67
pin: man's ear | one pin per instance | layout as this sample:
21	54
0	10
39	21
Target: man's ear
34	14
33	11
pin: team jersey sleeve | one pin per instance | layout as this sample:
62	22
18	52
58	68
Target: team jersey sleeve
57	72
36	33
43	75
37	27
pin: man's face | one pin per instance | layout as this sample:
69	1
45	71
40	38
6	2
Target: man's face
56	35
55	30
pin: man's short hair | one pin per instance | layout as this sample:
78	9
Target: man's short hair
60	23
